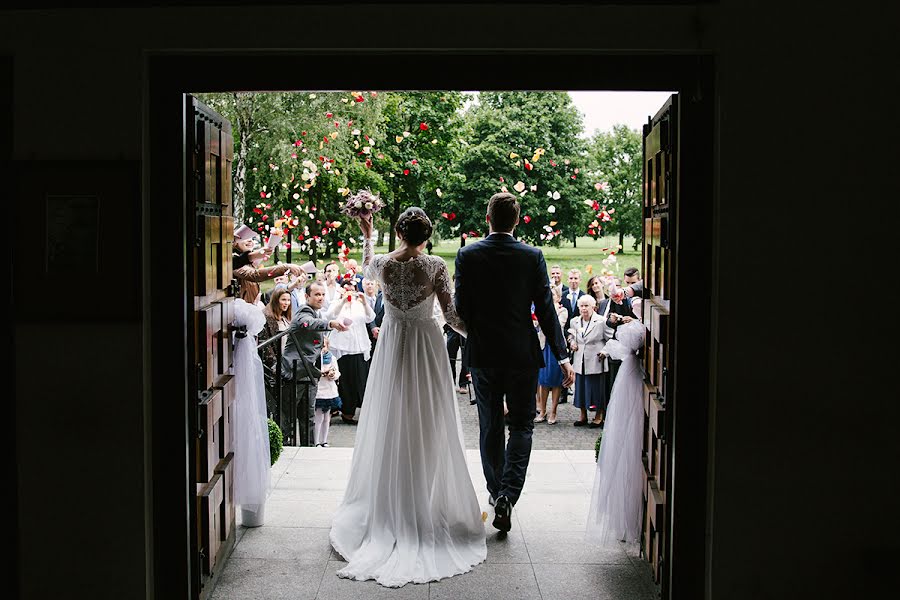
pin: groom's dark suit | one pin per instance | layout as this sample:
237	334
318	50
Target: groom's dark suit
502	349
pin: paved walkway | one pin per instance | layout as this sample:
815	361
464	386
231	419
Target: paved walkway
544	557
562	436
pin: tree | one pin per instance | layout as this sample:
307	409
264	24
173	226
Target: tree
616	158
416	160
525	143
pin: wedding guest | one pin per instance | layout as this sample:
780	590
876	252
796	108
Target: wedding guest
304	345
247	275
327	396
596	288
243	252
278	315
570	296
634	285
280	281
614	310
352	268
556	280
550	377
351	348
587	337
571	293
376	300
332	287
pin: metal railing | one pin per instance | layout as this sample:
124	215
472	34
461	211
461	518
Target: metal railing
285	395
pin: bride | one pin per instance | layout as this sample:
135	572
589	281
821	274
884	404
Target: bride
409	513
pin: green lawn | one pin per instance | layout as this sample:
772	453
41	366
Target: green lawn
588	252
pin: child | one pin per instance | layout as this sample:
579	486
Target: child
326	396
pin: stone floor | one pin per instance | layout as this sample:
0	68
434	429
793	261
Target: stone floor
562	436
543	557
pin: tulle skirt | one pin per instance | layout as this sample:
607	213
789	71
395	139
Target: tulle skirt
409	513
615	513
251	430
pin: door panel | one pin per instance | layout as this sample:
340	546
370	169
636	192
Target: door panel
210	149
660	146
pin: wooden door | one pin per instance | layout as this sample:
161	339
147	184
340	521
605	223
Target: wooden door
659	197
210	151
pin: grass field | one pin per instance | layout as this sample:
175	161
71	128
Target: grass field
589	252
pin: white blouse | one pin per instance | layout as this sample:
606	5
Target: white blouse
356	339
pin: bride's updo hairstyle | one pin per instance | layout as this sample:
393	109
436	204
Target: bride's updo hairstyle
414	226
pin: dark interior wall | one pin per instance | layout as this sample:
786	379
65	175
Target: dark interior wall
801	428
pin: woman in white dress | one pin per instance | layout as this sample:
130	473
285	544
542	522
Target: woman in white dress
615	514
352	348
409	513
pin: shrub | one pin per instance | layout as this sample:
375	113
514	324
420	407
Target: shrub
276	440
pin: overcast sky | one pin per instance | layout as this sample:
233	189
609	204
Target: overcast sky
602	110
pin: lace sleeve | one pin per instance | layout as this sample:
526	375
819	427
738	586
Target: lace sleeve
372	264
444	293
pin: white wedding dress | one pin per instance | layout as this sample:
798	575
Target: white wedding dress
409	513
615	514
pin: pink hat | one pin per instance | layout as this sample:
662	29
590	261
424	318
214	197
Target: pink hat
244	233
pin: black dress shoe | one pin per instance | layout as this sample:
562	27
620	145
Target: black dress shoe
580	423
503	514
349	421
594	425
491	500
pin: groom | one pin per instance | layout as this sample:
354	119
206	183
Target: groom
502	349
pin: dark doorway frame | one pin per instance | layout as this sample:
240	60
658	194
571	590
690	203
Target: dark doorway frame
165	249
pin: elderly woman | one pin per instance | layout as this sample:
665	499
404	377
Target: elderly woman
587	338
550	376
351	348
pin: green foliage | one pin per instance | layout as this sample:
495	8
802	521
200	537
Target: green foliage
299	154
276	441
527	137
616	158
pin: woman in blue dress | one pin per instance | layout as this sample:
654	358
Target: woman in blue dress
550	376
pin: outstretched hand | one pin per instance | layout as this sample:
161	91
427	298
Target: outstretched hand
568	374
365	226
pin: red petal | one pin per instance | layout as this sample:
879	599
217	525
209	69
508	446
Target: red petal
527	219
406	171
423	126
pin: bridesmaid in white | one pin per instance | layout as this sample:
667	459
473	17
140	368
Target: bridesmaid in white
615	514
409	513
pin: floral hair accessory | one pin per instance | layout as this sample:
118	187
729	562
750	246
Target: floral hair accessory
362	204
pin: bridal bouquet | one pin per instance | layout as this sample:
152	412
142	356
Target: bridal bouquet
362	204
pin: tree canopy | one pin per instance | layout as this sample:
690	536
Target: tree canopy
299	154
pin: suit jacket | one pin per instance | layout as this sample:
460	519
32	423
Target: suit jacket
607	306
573	311
304	340
379	315
590	340
504	336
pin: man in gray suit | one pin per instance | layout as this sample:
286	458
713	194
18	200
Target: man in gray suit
304	347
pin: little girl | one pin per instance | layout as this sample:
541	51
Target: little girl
327	397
